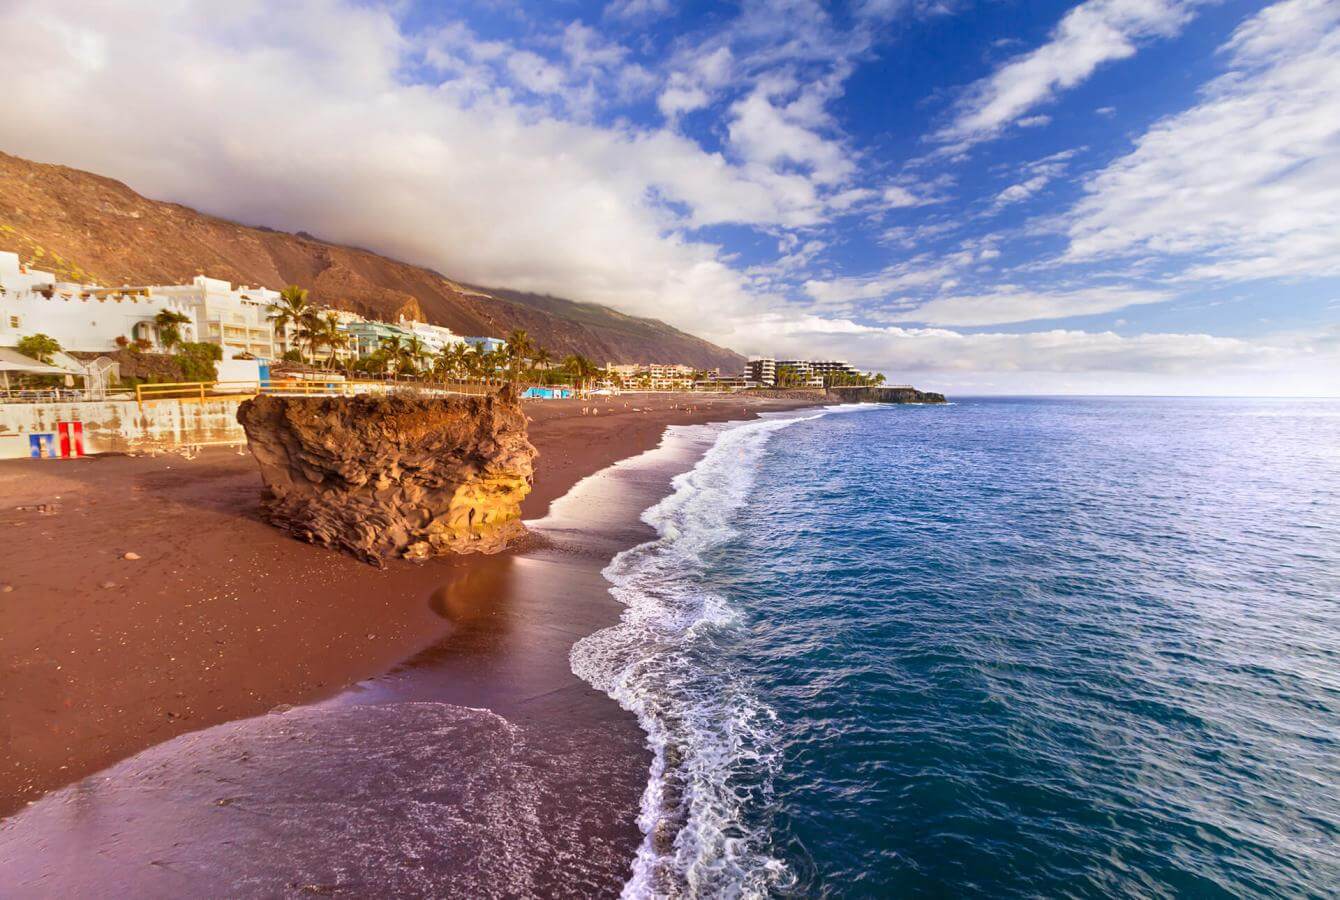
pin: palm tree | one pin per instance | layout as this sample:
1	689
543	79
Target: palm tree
582	369
325	331
292	309
491	361
167	325
462	358
441	366
416	351
520	349
392	352
542	358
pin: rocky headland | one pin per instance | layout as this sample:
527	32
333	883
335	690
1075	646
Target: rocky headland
399	475
872	394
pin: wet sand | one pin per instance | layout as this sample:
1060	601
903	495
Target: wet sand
222	618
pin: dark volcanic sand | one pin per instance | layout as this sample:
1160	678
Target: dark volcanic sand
223	618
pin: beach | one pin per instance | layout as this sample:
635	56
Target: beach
217	617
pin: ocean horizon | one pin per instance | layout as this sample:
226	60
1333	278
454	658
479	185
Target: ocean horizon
1024	646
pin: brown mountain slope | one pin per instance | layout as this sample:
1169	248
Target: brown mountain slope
89	228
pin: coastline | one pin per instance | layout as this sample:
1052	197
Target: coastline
491	633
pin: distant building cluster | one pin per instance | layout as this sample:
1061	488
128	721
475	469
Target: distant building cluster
241	321
92	318
653	376
765	371
759	372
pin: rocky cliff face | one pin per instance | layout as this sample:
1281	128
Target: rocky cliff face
884	395
393	476
86	227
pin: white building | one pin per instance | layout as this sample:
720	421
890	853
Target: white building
435	338
90	318
657	376
762	369
237	319
79	317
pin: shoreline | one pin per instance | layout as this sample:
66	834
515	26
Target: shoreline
453	648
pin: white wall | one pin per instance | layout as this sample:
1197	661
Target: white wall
123	426
78	322
239	369
84	317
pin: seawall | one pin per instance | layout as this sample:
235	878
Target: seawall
124	426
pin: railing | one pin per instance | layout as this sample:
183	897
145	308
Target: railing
199	391
195	390
41	395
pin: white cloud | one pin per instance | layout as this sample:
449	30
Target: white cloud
1246	184
917	274
1022	190
1063	360
768	134
1007	304
898	197
1039	174
637	9
535	73
1093	33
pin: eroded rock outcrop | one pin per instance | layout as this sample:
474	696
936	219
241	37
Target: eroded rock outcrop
396	475
875	394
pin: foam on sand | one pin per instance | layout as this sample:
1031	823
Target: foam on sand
707	729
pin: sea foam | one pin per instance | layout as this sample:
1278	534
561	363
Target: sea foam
709	733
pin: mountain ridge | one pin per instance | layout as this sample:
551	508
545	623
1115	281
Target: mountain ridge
88	227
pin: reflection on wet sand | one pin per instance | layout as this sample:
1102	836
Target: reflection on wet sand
402	785
475	594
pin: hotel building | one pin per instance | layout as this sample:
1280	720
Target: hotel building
90	318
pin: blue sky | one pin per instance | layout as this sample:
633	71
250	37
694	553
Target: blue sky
1107	196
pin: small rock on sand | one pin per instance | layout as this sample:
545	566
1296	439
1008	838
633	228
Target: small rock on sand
108	585
130	554
6	588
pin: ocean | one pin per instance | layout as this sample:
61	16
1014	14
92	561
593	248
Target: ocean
1001	647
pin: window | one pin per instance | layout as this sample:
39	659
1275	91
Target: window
13	321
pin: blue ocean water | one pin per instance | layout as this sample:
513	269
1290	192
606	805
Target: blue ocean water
1032	647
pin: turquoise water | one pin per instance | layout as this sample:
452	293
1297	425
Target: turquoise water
997	648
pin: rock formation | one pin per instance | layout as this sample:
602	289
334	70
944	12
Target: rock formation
393	475
872	394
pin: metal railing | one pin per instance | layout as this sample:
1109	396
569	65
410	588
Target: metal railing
41	395
195	390
199	391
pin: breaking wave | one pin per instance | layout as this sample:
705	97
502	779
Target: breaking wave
716	745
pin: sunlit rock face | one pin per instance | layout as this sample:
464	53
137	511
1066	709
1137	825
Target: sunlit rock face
393	476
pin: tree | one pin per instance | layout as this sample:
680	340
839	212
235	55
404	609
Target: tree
325	331
582	370
167	325
416	351
40	347
462	358
292	309
542	358
402	356
199	361
441	366
520	350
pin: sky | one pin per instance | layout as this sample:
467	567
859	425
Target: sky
1008	196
